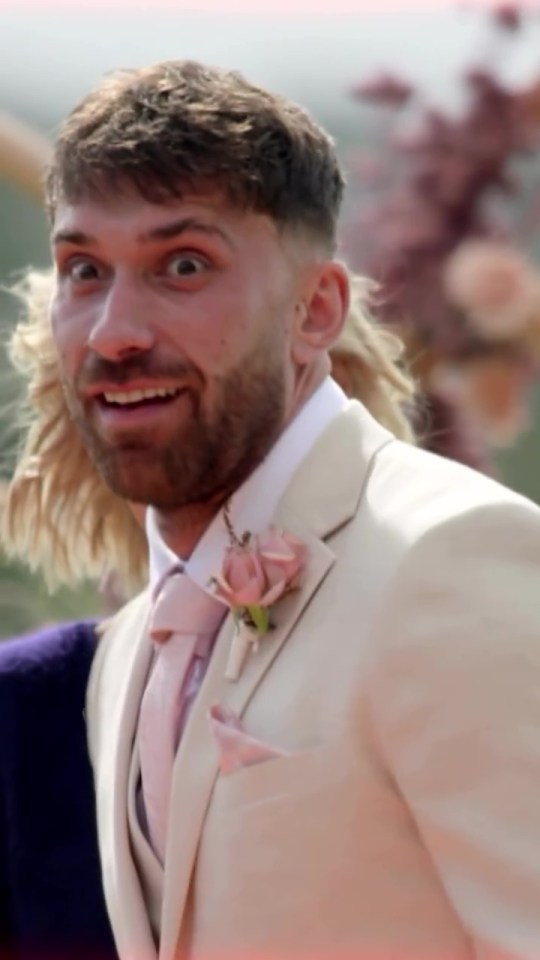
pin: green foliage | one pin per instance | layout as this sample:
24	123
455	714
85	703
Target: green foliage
519	467
25	603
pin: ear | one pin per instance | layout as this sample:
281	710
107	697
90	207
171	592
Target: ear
321	313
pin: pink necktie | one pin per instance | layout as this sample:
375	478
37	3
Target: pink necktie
184	622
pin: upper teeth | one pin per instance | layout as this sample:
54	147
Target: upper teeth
135	396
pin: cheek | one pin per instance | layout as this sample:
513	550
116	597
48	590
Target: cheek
217	334
217	351
69	333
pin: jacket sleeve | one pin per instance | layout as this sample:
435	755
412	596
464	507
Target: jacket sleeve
456	708
6	918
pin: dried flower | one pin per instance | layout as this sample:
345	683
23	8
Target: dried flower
495	392
386	90
495	285
508	16
445	181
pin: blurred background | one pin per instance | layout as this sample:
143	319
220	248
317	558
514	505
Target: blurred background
435	108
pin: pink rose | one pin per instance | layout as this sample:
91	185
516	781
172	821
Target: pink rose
259	572
242	582
284	552
495	285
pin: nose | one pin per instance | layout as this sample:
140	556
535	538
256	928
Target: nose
121	325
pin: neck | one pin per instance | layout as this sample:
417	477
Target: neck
308	381
183	528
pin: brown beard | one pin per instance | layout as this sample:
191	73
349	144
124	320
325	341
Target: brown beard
213	454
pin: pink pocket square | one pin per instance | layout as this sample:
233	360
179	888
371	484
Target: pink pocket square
236	748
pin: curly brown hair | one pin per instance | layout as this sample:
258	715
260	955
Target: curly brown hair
180	125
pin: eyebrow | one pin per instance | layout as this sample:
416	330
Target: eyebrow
168	231
73	236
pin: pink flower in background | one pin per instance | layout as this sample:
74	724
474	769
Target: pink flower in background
495	286
495	392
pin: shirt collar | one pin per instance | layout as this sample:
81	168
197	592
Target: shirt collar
253	505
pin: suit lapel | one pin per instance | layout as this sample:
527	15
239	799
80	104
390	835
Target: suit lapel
114	693
322	497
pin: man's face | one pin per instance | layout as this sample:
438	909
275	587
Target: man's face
173	329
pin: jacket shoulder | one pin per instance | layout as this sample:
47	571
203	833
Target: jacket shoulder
46	653
414	492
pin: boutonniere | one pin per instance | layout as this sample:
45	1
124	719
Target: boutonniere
257	571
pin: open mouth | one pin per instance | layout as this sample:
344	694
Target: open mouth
134	399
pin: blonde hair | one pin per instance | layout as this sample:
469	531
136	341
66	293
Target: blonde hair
367	364
59	515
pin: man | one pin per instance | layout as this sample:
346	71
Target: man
51	897
316	731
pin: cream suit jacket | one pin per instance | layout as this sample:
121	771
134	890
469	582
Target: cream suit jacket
403	678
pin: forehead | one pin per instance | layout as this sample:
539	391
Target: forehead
136	219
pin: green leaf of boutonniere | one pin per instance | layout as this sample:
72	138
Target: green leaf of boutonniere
260	617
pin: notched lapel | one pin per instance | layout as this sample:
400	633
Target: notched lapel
328	486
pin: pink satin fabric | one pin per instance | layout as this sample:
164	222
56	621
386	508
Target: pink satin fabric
236	748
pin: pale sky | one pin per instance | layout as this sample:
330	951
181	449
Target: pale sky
279	8
53	51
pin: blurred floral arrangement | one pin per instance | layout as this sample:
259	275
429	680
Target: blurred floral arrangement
443	214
